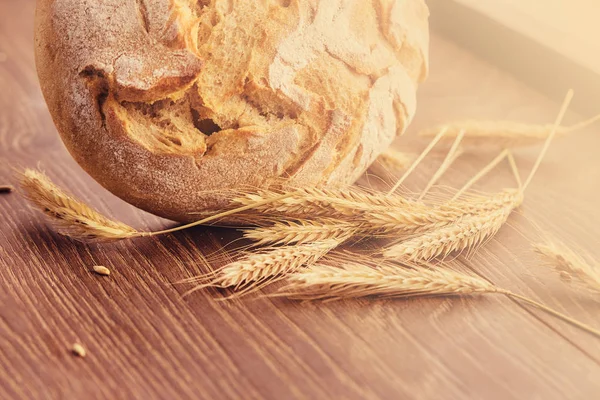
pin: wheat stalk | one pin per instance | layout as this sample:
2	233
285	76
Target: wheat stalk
487	169
569	264
502	134
70	216
432	143
391	161
467	233
298	232
453	154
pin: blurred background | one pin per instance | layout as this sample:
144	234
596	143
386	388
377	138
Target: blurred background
552	44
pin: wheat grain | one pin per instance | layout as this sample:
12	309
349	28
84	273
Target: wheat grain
101	270
501	134
359	280
570	264
6	188
78	350
298	232
70	216
469	232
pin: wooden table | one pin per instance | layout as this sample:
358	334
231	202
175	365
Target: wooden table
144	340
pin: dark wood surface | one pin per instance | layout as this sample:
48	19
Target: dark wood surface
144	340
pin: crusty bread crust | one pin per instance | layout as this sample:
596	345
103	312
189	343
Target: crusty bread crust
168	102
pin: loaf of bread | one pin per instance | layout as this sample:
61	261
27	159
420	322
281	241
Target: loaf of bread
168	102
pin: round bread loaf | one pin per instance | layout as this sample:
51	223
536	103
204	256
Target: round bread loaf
167	102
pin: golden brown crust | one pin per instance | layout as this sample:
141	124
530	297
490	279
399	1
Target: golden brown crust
166	101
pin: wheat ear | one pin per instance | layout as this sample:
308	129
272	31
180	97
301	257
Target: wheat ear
355	280
257	270
348	204
467	233
308	201
370	214
75	219
384	222
298	232
475	205
569	264
70	216
385	213
503	134
358	280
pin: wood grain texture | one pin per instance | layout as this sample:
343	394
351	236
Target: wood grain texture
144	340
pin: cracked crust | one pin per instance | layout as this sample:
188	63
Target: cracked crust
165	102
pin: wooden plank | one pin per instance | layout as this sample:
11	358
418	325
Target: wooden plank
143	339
